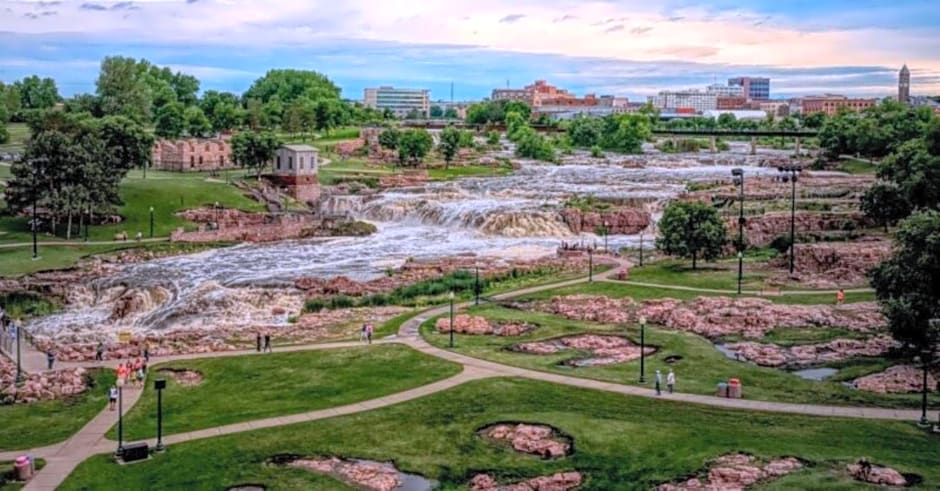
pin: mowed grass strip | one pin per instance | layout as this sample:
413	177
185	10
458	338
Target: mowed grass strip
244	388
620	442
699	371
44	423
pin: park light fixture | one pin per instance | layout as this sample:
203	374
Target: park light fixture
151	222
450	296
159	385
642	349
790	173
606	231
738	177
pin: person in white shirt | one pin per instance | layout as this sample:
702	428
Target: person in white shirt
670	381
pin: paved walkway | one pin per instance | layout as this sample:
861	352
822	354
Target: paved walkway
62	458
81	243
753	293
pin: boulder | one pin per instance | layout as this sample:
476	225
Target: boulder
874	474
898	379
531	439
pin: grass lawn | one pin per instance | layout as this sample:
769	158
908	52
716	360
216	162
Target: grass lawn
6	475
19	132
855	166
5	172
243	388
699	371
620	442
459	171
45	423
620	290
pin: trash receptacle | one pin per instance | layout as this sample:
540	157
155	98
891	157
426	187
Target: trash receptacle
734	388
22	469
722	389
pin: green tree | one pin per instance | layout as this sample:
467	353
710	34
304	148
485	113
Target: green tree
197	124
254	150
492	138
185	87
123	89
286	85
517	107
4	115
585	131
414	145
37	93
4	134
885	203
292	121
515	123
815	120
908	284
450	113
691	230
223	110
437	112
84	103
727	120
129	142
532	145
169	121
273	113
254	113
916	172
626	132
389	138
329	114
10	98
449	144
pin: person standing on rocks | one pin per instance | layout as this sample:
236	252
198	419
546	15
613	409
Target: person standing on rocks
258	341
99	352
146	355
50	358
267	343
659	382
670	381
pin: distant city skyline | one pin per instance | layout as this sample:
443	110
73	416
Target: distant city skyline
624	48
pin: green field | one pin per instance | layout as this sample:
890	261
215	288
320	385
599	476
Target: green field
699	371
19	132
45	423
620	442
244	388
858	167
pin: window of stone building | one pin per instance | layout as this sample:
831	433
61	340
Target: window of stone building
301	162
290	162
192	161
207	147
200	160
278	162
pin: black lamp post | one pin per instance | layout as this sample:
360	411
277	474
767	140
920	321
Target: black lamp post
590	264
34	224
476	286
451	297
20	378
159	385
791	173
642	350
738	174
151	222
120	448
218	213
923	360
87	223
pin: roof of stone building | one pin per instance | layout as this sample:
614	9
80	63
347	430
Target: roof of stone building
300	148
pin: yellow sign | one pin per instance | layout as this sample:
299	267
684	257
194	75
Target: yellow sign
124	336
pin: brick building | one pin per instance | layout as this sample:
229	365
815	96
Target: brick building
192	154
295	167
731	102
832	104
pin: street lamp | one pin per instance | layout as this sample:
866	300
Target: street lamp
590	264
738	175
218	213
120	448
451	297
606	226
791	173
151	222
159	385
642	350
35	171
923	360
20	377
476	286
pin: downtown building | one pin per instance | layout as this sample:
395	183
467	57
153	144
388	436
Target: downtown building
831	104
754	88
557	103
684	101
400	101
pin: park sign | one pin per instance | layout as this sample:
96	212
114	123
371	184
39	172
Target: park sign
124	336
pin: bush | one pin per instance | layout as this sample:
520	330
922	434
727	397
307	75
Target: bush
596	152
315	305
781	244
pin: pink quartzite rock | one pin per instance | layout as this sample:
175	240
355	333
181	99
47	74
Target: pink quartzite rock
897	380
562	481
626	221
875	474
606	350
736	472
590	308
771	355
532	439
44	386
370	476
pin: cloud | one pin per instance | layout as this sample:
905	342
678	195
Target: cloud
676	18
509	19
92	6
688	52
616	28
125	6
564	18
640	30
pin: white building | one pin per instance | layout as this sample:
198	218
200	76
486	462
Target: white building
295	167
739	115
400	101
724	90
695	100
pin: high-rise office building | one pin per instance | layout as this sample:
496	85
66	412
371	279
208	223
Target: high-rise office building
400	101
904	85
755	88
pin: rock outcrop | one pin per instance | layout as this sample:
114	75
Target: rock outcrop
899	379
46	386
876	474
772	355
476	325
736	472
624	221
836	264
562	481
532	439
601	349
370	476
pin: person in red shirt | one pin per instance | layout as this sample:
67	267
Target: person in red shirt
840	297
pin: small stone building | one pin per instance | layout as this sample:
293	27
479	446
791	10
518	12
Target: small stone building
192	155
295	167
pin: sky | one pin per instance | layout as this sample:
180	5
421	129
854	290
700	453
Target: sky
631	48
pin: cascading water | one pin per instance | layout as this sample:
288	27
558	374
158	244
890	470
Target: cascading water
499	216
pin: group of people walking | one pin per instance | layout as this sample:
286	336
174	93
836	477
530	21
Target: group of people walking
130	373
266	348
670	382
365	336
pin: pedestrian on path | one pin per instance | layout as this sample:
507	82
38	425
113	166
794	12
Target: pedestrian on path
146	355
121	374
99	351
112	397
50	358
659	382
670	381
840	297
258	341
362	333
267	342
369	333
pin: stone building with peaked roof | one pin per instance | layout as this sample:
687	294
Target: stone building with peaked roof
192	154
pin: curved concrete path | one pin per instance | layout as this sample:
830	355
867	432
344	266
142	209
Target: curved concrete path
80	243
62	458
